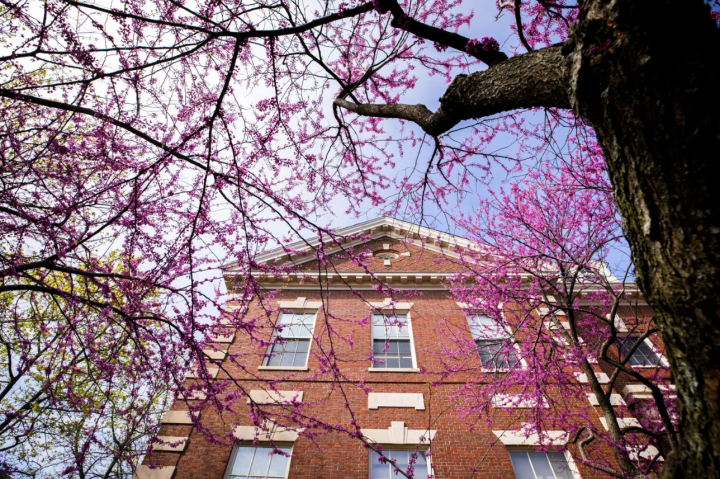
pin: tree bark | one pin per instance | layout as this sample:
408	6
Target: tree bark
645	75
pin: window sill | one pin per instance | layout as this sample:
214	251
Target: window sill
283	368
393	370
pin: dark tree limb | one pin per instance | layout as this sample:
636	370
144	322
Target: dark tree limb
518	24
583	455
535	79
450	39
222	32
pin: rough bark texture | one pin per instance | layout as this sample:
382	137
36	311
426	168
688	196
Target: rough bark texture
524	81
645	75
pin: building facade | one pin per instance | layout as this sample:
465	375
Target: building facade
383	379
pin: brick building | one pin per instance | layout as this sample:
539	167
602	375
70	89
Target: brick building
400	410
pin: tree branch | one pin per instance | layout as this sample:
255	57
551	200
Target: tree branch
518	23
453	40
534	79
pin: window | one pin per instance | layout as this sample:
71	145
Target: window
540	465
643	354
293	333
402	460
493	344
250	462
391	342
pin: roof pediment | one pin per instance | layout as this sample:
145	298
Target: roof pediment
302	252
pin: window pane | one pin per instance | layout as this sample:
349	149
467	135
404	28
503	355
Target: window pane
401	458
243	458
278	464
379	332
485	327
260	462
257	460
401	461
421	469
287	359
390	326
488	350
289	331
521	464
300	359
306	331
296	326
505	361
392	362
274	360
560	465
396	355
403	330
379	471
303	345
643	354
388	350
284	349
541	465
494	354
378	347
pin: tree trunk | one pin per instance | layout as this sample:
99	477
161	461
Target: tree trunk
645	73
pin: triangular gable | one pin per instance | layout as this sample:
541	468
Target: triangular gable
407	255
428	239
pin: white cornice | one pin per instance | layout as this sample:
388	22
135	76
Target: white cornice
427	239
354	280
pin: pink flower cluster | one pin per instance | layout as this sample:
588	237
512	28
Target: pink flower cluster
487	44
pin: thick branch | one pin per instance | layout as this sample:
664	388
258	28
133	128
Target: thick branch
434	34
535	79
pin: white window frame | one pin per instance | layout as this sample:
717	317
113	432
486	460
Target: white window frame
236	447
568	458
400	447
266	359
413	356
509	335
663	361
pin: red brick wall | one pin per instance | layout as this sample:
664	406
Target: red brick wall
456	448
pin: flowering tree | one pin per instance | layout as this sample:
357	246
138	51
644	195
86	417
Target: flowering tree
76	394
543	309
126	128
